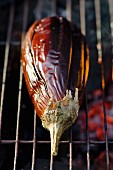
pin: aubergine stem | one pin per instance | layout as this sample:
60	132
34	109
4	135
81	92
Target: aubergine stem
55	133
60	118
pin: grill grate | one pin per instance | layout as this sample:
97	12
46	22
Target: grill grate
14	119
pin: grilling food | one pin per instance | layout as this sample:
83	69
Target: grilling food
55	63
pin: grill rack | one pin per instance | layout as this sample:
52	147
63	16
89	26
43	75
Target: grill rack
9	43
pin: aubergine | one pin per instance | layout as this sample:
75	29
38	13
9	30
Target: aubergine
55	60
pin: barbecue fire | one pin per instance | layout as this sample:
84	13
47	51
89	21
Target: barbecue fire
96	122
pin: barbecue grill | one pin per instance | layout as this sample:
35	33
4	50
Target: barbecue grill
24	143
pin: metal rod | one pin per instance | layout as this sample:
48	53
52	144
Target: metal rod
106	137
53	12
68	16
68	10
25	16
87	134
111	19
48	142
83	30
34	143
111	26
53	7
104	109
98	27
10	24
39	9
82	16
70	150
112	69
15	43
39	14
99	48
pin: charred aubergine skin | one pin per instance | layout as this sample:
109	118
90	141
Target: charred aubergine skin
55	61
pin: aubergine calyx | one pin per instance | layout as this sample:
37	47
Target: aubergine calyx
60	117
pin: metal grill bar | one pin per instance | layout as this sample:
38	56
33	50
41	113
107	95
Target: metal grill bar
53	13
10	24
39	12
53	7
98	27
68	9
39	9
111	19
83	30
70	149
25	15
112	69
65	142
34	143
99	48
106	137
82	16
68	16
87	134
11	42
111	25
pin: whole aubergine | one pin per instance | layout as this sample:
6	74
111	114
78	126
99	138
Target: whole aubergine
55	63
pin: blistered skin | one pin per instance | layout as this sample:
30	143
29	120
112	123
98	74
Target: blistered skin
46	58
55	62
